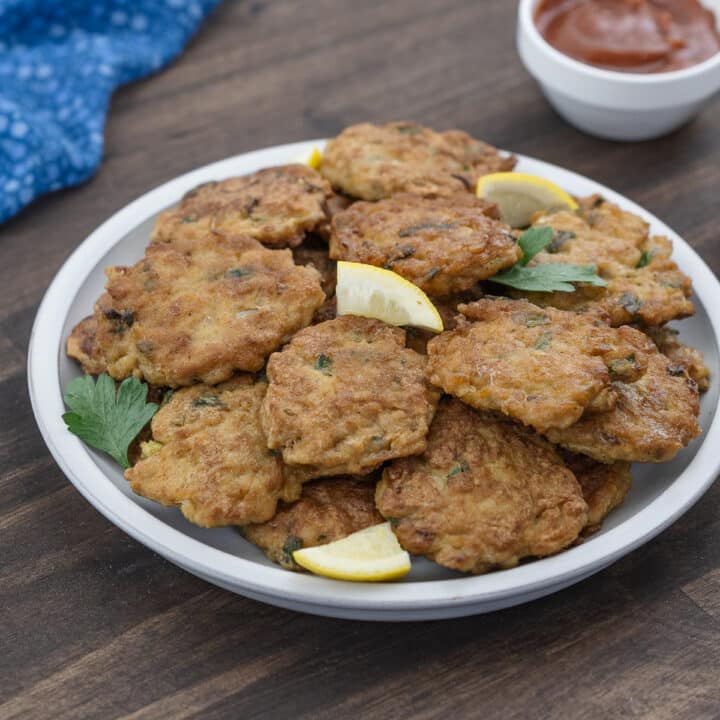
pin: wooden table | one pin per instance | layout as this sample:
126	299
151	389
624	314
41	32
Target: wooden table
94	625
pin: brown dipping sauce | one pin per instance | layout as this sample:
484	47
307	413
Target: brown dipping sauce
639	36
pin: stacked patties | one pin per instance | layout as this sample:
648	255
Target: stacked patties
301	427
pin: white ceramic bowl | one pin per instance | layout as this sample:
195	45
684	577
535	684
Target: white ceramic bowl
615	105
660	493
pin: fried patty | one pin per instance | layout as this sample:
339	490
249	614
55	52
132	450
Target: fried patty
328	510
371	162
653	418
690	358
643	284
604	486
441	244
611	220
276	206
199	310
578	240
82	346
345	395
484	494
208	456
543	367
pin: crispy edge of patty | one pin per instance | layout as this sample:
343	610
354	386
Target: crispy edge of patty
82	346
208	456
277	206
485	494
329	509
604	486
541	366
345	395
652	420
371	162
443	244
643	286
199	311
690	358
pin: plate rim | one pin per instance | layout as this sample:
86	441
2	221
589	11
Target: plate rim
385	599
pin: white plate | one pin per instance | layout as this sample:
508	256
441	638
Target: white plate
661	493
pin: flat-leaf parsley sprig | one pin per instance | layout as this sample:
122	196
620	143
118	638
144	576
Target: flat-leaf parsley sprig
107	419
547	277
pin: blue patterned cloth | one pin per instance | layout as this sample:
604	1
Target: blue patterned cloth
60	60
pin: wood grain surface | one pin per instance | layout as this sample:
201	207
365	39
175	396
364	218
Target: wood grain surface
94	625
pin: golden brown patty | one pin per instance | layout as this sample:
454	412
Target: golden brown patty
684	356
610	220
647	295
485	494
209	457
542	367
198	310
442	244
643	284
604	486
328	510
82	346
652	420
276	206
345	396
578	239
372	162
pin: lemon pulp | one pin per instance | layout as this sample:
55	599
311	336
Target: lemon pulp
312	159
369	555
374	292
519	196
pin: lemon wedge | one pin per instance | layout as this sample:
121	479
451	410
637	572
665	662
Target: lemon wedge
519	196
311	159
373	292
369	555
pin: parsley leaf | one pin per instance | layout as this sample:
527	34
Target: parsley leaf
324	364
548	277
533	241
644	260
292	543
106	419
457	468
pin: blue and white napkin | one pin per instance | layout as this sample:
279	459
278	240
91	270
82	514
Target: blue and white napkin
60	60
